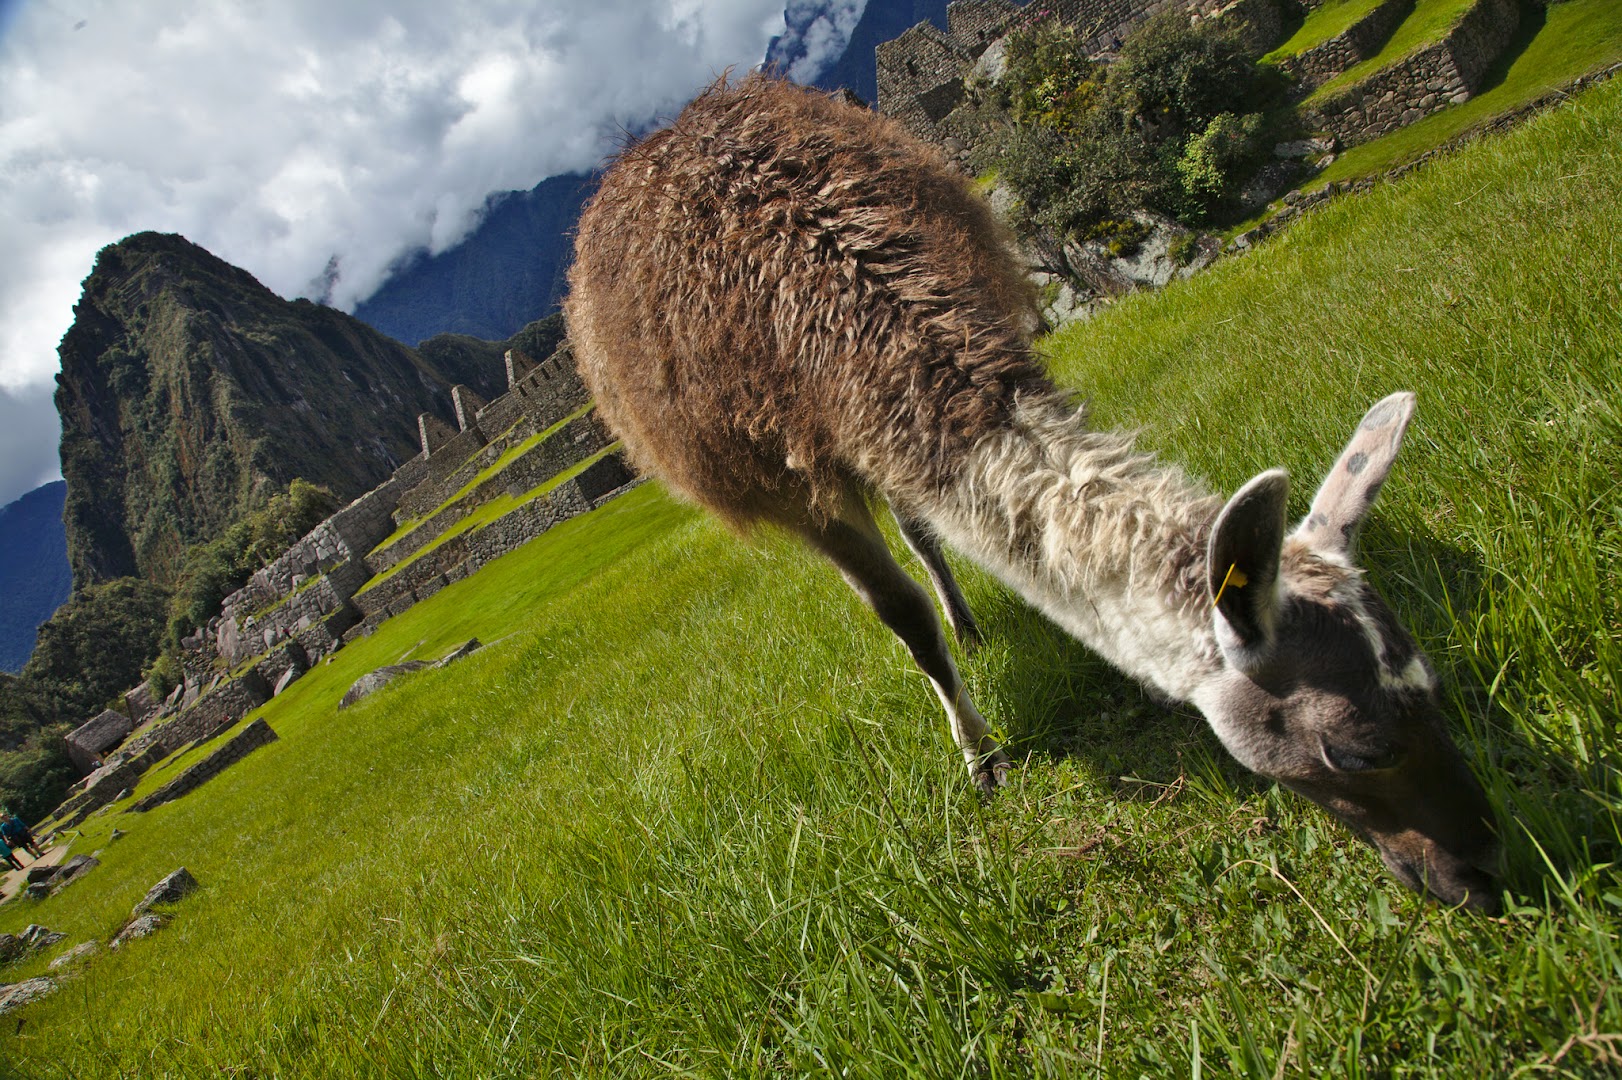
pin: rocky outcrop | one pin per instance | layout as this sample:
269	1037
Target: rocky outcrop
14	947
373	681
173	888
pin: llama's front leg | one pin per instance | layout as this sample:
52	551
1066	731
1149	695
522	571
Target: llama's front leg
927	546
856	546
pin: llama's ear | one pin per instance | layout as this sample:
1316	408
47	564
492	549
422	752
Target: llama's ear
1243	561
1349	490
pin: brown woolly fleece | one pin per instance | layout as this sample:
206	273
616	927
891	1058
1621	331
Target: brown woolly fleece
782	298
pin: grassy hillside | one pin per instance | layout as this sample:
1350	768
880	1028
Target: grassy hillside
692	811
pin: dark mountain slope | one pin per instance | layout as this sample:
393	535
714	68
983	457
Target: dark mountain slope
881	21
189	392
509	272
34	577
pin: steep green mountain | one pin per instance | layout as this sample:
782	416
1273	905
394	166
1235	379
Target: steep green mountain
189	392
34	578
508	272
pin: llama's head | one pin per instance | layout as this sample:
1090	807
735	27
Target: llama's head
1324	691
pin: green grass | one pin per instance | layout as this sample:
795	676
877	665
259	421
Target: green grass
1428	22
1322	23
692	811
1553	47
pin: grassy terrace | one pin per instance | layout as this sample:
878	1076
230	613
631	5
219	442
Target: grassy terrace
1554	46
494	509
1428	22
1322	23
507	457
693	812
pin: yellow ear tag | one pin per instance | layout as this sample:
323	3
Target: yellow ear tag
1235	577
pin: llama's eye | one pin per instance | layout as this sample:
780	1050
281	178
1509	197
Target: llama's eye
1365	759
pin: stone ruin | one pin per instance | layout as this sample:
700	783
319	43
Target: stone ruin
326	589
925	75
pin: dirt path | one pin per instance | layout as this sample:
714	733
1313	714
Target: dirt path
14	880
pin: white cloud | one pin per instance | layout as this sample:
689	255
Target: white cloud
816	34
282	136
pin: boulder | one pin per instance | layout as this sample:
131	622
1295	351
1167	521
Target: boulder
147	924
288	678
39	890
16	995
373	681
175	887
32	939
75	954
69	872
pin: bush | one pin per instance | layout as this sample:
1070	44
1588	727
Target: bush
34	779
1214	161
1085	146
1175	77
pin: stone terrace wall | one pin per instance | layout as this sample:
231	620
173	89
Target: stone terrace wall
1427	81
239	746
345	536
1347	49
102	788
573	443
324	600
464	554
212	713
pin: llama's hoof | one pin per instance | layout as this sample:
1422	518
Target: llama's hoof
969	638
990	772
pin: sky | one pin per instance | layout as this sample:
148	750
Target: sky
289	135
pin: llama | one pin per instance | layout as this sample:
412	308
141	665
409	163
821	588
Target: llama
787	307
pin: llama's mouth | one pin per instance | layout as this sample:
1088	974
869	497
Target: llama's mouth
1448	880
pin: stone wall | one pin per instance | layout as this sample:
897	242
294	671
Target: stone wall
223	705
546	393
239	746
975	24
1426	81
1344	51
101	788
913	71
461	555
569	445
346	536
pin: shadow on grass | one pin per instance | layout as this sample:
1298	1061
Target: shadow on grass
1533	18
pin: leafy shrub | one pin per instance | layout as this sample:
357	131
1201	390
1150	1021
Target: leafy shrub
215	570
1177	76
1048	82
1170	126
1215	160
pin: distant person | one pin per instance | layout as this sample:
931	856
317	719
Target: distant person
7	859
18	834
